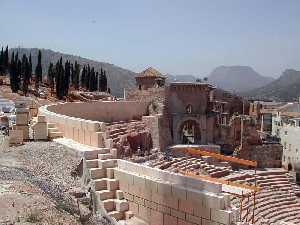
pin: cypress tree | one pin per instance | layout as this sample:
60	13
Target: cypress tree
30	67
103	81
2	61
6	60
67	78
38	71
51	74
83	77
76	75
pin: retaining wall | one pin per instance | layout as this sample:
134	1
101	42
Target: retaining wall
84	122
163	198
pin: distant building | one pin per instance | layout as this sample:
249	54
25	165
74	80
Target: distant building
286	126
150	78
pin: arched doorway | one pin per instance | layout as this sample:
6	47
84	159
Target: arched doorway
190	132
290	167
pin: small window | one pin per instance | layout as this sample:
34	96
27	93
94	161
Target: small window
189	109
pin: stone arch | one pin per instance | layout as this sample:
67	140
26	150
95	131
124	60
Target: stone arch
188	131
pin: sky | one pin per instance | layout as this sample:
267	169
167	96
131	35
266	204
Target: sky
173	36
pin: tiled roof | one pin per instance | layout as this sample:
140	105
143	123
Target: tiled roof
150	72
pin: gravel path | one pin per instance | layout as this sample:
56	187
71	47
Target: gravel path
35	179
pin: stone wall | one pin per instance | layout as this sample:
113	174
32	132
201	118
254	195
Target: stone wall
104	111
163	198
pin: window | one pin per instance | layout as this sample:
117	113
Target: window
284	145
189	109
285	132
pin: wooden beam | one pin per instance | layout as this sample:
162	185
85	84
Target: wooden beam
198	152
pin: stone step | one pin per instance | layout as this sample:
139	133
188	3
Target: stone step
117	215
55	134
97	173
121	205
52	129
100	184
105	156
109	205
93	154
92	163
105	194
112	184
107	163
51	125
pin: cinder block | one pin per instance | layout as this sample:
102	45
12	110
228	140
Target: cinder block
134	208
76	134
24	129
41	119
193	219
170	220
128	196
81	136
152	185
178	214
213	201
144	213
157	218
163	209
22	118
107	163
139	181
221	216
195	196
186	206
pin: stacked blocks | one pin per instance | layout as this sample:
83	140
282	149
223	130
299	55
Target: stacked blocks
40	131
22	118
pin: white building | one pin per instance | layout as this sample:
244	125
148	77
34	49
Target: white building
286	126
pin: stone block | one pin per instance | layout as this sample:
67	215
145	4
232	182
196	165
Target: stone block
157	218
24	129
201	211
41	119
112	184
178	214
209	222
97	139
164	189
170	220
152	185
179	192
221	216
22	118
128	196
139	200
213	201
144	213
193	219
110	173
87	137
15	136
186	206
150	204
195	196
184	222
122	205
119	194
76	134
163	209
134	208
81	136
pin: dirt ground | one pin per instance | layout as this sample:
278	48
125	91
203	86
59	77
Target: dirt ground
35	181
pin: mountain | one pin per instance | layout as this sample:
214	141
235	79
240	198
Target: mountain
118	78
237	78
285	88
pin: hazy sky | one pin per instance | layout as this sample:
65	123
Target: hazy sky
176	36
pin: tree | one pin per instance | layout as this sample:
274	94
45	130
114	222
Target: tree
6	60
76	75
205	79
30	67
103	81
38	71
26	70
2	61
67	78
51	74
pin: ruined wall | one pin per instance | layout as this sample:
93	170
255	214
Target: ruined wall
164	198
104	111
151	94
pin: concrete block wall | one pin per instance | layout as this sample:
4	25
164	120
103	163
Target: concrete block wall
83	131
163	198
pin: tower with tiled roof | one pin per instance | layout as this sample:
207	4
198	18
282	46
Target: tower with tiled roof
150	78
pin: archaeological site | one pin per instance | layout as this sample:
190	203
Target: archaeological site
180	153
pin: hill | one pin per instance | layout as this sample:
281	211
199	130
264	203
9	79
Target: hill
237	78
118	78
285	88
182	78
